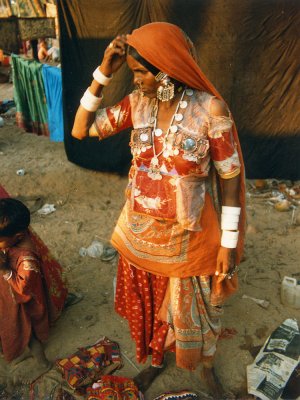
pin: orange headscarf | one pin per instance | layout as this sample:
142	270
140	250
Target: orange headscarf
165	46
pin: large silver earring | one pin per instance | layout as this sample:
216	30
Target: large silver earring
165	91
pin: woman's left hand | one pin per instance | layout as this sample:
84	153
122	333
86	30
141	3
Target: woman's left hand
225	261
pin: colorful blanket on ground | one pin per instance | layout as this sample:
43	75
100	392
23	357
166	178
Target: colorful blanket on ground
182	395
89	363
114	387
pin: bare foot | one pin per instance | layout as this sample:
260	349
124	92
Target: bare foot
24	356
43	369
213	383
145	378
28	379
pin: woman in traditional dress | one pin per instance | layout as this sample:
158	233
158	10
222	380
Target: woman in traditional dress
180	233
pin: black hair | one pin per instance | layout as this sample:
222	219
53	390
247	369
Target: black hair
133	53
14	217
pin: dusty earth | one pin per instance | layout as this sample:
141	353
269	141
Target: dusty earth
87	205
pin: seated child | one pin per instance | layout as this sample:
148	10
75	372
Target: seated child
43	51
23	308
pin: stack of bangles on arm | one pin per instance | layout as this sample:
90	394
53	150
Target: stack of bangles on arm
90	102
229	224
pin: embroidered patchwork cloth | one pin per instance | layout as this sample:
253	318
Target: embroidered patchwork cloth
114	387
183	395
89	363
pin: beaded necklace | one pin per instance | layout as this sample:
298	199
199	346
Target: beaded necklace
167	148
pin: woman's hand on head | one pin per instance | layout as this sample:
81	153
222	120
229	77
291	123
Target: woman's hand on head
114	56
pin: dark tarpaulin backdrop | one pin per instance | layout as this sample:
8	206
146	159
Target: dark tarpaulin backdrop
249	49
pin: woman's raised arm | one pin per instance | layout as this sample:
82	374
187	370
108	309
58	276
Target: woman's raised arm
114	57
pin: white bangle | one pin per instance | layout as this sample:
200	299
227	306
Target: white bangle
229	222
90	102
229	239
231	210
7	276
101	78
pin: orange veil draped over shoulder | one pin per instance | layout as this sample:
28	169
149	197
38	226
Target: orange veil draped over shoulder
166	46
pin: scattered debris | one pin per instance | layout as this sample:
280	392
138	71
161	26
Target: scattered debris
262	303
11	113
282	195
21	172
98	250
282	205
46	209
275	363
6	105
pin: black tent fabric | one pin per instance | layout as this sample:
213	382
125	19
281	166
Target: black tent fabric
250	50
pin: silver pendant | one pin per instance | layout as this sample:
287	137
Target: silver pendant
203	146
183	104
154	170
144	137
174	128
158	132
178	117
155	175
189	144
154	161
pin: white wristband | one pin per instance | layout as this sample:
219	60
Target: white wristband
229	222
90	102
231	210
101	78
229	239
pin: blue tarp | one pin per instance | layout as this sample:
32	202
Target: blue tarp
53	90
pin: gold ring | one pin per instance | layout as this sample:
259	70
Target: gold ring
111	45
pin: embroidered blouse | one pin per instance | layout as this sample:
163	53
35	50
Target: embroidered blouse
195	139
169	225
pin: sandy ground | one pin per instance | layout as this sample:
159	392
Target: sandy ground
87	205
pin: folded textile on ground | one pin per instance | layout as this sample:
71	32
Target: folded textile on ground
182	395
89	363
114	387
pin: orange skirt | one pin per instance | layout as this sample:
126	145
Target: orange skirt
164	247
168	314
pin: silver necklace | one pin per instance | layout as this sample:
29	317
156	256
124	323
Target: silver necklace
154	169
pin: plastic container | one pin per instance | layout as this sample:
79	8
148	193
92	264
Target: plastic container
290	292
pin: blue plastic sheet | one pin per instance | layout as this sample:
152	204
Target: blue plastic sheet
53	90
